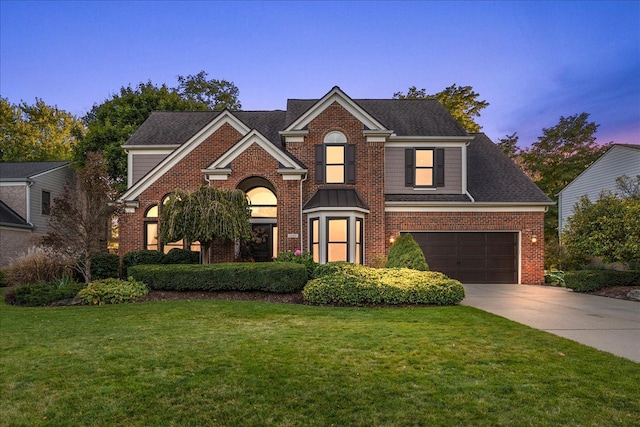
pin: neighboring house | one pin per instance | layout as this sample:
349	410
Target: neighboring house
27	190
619	160
340	178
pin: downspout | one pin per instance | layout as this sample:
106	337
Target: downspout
301	214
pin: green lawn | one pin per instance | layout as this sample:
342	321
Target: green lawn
238	363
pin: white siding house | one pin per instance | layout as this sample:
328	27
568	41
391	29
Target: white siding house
619	160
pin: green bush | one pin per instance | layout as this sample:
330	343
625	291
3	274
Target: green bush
278	277
181	256
304	258
336	267
41	294
112	291
104	265
554	278
142	257
406	253
359	285
593	280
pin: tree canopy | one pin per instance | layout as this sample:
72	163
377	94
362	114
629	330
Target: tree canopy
216	94
205	214
37	133
461	102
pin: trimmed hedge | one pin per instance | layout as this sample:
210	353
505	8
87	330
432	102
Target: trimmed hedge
342	284
104	265
277	277
146	257
181	256
42	294
593	280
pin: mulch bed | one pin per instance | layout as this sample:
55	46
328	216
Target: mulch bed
619	292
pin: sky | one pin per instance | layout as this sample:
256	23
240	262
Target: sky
532	61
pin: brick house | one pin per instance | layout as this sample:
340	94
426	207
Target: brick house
340	178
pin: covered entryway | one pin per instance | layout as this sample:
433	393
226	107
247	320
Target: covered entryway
472	257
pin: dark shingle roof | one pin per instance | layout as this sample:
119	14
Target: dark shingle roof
406	117
25	170
493	177
9	217
268	123
426	198
336	198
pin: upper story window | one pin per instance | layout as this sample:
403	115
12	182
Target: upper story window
335	160
46	203
424	167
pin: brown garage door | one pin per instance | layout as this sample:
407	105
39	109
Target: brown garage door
472	257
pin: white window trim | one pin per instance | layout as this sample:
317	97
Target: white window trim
322	218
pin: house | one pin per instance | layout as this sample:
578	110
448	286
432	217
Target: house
619	160
27	190
340	178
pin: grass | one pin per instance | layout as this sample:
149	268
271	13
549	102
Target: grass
238	363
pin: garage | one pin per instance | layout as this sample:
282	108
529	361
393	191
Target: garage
472	257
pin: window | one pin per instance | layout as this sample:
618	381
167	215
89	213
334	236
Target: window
424	167
46	203
359	222
315	239
337	241
151	228
263	203
335	160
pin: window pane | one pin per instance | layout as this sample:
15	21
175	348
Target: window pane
424	158
262	196
335	154
424	176
274	236
151	236
337	252
337	230
335	174
195	246
168	246
152	212
335	137
315	248
315	233
264	211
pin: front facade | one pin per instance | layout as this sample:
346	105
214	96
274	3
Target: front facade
27	190
340	178
601	175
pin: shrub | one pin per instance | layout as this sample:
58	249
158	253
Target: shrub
104	265
593	280
142	257
406	253
181	256
41	294
39	265
304	258
359	285
278	277
554	278
112	291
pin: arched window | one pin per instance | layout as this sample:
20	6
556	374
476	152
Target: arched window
264	203
151	228
335	160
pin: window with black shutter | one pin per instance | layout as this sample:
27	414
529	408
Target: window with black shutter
335	160
424	167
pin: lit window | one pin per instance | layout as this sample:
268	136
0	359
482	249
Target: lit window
359	222
263	203
424	168
335	164
315	240
151	228
337	242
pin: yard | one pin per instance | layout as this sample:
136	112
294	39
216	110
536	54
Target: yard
253	363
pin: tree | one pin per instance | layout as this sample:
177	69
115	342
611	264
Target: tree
216	94
406	253
37	133
558	157
509	145
81	218
628	187
204	215
461	102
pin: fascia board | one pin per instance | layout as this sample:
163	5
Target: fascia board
172	159
464	207
336	209
433	141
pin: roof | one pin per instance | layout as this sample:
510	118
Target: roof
635	146
336	198
9	217
26	170
406	117
426	198
493	177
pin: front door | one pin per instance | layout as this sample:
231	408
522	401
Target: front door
262	242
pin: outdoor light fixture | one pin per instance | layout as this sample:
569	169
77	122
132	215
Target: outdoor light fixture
392	239
534	239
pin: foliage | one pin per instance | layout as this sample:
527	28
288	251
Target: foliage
554	278
278	277
377	261
112	291
36	133
608	229
81	218
628	187
39	264
142	257
3	279
43	293
181	256
406	253
509	146
216	94
111	123
593	280
104	265
359	285
461	102
204	215
299	257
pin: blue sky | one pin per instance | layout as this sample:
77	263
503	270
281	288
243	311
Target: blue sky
532	61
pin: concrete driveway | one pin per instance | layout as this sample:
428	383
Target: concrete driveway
608	324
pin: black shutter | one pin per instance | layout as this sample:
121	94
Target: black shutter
350	166
440	167
319	164
409	170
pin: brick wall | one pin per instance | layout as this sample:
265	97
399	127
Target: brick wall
528	223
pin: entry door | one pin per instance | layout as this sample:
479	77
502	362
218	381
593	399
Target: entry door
262	244
472	257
